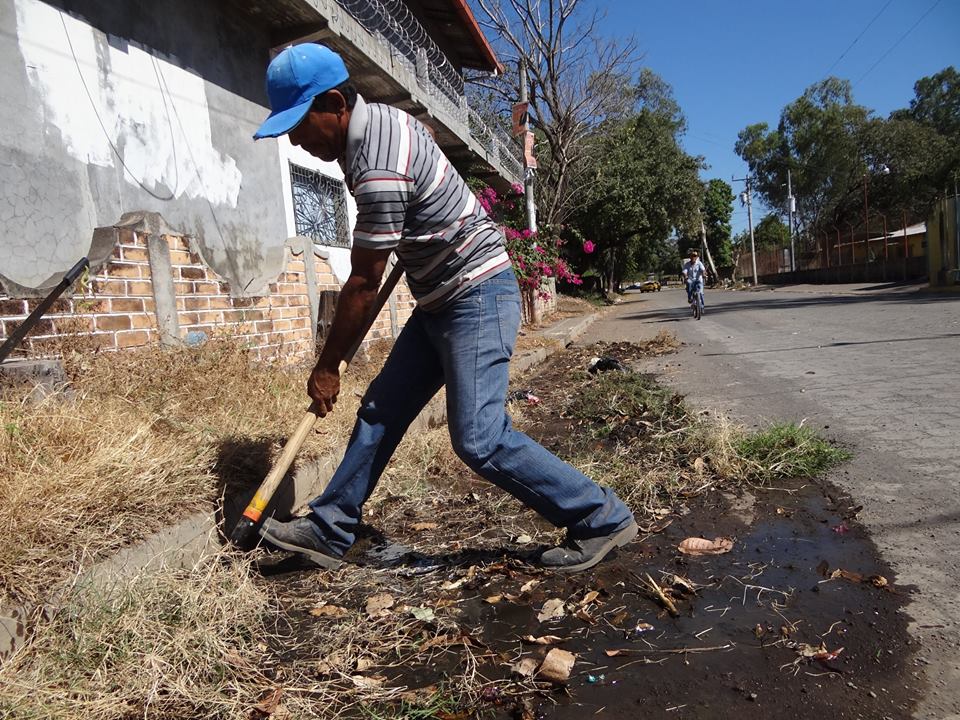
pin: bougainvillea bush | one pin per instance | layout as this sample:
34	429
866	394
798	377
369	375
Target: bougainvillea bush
536	256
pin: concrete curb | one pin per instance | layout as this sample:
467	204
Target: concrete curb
184	544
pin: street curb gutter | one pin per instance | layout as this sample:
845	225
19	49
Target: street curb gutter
186	543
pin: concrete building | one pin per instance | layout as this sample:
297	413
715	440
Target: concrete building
140	115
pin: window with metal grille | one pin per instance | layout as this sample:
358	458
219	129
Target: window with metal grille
319	207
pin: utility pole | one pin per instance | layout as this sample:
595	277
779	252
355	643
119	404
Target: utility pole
791	209
745	198
527	171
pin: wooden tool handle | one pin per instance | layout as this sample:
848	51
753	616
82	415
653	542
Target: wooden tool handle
258	504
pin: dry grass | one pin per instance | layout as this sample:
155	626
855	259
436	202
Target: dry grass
149	436
171	644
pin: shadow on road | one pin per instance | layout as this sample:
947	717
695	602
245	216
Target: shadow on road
771	302
946	336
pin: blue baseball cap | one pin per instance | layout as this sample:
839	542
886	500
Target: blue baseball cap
294	78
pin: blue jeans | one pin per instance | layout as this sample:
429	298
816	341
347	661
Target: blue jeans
694	287
466	346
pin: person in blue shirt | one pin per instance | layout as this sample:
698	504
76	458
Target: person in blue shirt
694	273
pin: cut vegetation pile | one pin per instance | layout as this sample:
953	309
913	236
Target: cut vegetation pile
221	641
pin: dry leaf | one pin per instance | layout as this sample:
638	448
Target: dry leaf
421	526
455	584
269	704
524	540
699	466
368	683
585	616
328	611
379	604
589	597
846	575
553	608
528	586
525	667
364	664
879	581
700	546
678	581
423	614
543	640
557	665
493	599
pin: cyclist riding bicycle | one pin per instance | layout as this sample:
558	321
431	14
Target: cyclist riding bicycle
694	273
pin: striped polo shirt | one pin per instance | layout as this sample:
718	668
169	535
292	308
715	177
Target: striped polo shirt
411	199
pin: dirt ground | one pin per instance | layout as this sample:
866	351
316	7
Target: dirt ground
801	618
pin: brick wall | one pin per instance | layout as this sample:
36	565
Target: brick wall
115	308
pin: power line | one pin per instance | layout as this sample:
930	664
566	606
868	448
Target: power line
899	40
857	38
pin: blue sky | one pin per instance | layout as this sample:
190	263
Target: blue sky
736	63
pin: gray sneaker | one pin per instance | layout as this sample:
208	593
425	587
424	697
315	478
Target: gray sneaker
300	536
576	555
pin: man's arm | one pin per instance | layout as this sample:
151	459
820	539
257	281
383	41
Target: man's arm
353	308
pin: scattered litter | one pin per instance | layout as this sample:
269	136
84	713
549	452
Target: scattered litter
543	640
523	539
379	604
528	586
523	396
270	704
841	528
682	583
525	667
493	599
553	608
596	678
618	652
783	512
557	666
424	614
606	364
589	598
325	610
368	683
878	581
701	546
642	628
662	596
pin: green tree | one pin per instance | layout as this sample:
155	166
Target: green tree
770	232
818	139
644	187
717	211
936	102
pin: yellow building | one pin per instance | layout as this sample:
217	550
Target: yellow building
943	243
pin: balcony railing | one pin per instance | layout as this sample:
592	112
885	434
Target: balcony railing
393	24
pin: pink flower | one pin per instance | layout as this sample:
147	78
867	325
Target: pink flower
589	247
517	189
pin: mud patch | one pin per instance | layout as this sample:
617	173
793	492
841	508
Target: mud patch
742	642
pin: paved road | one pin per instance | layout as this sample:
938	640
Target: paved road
877	368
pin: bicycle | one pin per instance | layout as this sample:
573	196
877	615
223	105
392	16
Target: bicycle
697	303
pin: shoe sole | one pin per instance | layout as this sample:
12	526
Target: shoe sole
619	539
317	558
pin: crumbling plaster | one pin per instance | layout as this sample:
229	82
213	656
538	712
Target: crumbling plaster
115	107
